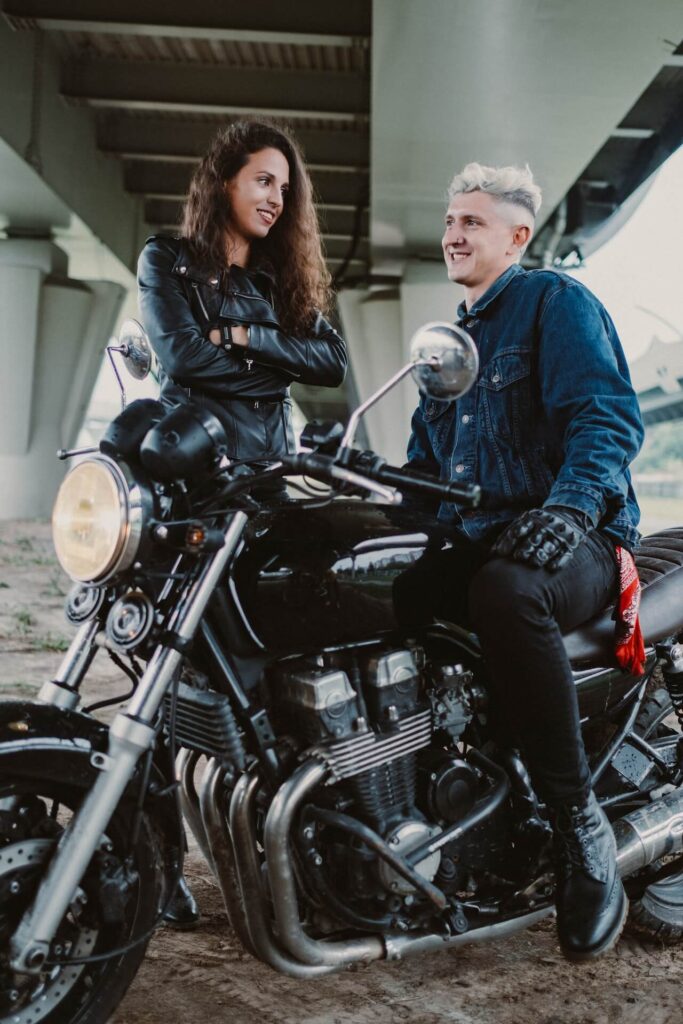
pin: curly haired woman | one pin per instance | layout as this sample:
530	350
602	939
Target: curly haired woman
234	307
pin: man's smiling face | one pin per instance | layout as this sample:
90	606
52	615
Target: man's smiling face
482	239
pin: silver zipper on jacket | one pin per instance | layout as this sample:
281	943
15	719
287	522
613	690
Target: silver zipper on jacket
200	300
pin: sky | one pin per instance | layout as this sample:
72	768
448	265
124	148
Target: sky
641	265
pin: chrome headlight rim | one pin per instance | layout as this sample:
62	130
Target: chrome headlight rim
135	506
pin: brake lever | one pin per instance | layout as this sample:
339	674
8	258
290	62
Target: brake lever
392	497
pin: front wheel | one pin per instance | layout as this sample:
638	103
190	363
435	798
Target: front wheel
117	901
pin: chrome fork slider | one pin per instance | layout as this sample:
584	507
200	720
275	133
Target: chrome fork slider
130	735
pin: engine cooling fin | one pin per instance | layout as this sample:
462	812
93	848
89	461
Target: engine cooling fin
350	757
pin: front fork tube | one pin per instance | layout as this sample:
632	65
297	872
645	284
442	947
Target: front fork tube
131	735
62	691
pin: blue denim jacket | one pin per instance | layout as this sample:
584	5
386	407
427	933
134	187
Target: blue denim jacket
552	419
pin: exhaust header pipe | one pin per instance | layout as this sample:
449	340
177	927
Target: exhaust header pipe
651	832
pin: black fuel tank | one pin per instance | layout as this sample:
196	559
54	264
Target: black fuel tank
311	578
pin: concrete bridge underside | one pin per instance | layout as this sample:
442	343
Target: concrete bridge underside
106	105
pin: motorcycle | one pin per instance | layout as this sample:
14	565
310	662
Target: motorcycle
336	768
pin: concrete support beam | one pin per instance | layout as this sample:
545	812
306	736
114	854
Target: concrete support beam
378	327
59	143
335	220
172	181
506	81
337	248
149	138
53	332
371	325
269	21
337	95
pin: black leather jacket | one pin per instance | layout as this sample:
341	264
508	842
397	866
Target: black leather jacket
180	303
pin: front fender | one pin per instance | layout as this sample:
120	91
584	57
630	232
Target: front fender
40	740
31	733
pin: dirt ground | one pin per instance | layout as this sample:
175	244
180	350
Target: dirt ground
204	975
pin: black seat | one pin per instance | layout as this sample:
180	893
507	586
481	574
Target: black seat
660	566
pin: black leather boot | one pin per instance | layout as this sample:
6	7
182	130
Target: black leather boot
590	899
182	912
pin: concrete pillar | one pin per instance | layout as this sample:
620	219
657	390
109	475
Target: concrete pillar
378	326
52	333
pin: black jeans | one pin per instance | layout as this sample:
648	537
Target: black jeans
519	614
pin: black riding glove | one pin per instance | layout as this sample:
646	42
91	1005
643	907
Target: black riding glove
544	537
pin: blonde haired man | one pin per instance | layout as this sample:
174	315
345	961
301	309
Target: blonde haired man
548	431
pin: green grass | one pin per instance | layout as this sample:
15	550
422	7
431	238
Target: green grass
54	586
24	621
19	688
50	642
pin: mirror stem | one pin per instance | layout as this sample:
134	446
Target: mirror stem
344	452
110	352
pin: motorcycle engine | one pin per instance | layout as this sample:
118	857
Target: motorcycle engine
386	722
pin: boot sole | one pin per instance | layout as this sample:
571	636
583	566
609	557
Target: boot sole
607	945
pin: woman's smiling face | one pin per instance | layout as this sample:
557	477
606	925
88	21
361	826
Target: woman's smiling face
257	195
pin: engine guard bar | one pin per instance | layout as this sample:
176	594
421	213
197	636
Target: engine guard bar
376	843
481	810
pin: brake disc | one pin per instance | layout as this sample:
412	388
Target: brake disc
48	991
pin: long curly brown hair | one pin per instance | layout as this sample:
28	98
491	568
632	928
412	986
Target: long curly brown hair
292	248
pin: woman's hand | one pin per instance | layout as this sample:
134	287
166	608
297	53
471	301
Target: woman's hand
238	334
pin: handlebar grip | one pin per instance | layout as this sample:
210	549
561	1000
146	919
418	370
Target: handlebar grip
368	465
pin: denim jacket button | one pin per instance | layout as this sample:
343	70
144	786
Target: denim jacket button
459	468
466	418
496	378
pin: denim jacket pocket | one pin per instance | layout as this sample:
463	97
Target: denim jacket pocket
434	411
433	408
505	396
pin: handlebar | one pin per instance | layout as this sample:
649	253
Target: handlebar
372	467
362	470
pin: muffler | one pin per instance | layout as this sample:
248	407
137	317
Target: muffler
651	832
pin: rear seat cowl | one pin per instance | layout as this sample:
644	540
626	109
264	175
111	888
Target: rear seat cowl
660	567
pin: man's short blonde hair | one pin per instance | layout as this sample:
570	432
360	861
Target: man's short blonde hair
508	184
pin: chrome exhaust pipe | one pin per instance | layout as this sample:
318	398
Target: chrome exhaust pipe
251	883
651	832
222	851
279	823
185	764
340	954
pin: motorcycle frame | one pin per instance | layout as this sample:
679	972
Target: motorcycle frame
230	848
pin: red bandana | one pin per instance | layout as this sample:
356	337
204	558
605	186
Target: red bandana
628	638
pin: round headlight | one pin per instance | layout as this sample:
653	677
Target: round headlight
97	520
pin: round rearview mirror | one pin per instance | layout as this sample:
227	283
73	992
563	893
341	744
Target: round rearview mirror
445	358
135	349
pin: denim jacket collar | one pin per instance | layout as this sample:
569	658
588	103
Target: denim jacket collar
491	293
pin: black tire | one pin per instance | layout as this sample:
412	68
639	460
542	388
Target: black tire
655	710
33	816
658	912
